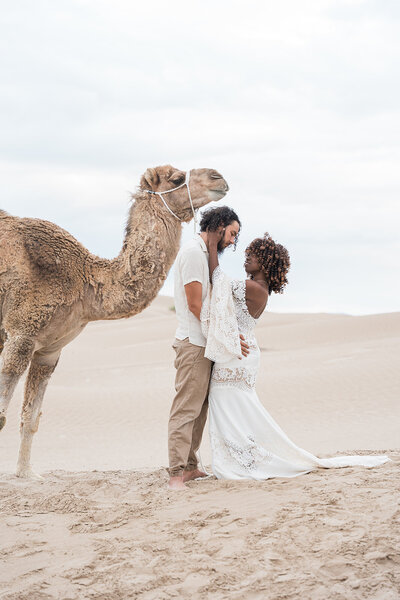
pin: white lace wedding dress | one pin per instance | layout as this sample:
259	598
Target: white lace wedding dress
246	442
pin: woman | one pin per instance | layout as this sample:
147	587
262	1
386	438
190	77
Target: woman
246	442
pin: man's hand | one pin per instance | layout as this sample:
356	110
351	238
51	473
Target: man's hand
244	347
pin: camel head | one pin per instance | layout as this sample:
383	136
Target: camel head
206	185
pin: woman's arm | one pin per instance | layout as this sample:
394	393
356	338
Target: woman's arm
213	239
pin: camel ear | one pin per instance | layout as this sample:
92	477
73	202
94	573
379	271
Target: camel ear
150	179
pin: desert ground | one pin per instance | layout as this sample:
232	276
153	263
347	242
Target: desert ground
102	523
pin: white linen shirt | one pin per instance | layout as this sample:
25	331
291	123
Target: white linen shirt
191	265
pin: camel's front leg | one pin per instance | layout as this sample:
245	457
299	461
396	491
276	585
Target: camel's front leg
15	358
38	377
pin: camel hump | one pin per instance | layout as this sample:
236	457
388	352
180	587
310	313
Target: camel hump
3	213
43	256
52	249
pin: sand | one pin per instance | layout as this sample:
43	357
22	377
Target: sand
102	523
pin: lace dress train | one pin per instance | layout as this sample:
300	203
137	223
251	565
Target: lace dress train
246	442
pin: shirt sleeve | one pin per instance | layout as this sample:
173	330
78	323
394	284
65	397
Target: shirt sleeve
219	322
192	268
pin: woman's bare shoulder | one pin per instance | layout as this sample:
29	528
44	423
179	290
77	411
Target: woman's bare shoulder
256	298
254	291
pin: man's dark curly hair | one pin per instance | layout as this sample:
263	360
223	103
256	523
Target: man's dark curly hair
212	218
274	261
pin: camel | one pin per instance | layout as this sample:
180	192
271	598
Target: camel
51	286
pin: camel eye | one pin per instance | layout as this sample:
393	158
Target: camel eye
177	178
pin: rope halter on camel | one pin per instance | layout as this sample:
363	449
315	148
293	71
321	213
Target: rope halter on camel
186	182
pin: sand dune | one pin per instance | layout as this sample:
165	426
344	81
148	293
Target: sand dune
103	525
331	382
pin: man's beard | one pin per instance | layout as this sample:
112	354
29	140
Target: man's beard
221	247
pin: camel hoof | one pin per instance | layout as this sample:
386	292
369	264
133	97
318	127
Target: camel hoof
2	421
29	474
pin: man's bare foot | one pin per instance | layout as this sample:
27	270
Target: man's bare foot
176	483
196	474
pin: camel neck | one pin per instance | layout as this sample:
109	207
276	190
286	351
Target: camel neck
133	279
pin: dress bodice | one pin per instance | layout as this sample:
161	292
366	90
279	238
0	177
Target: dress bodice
224	316
229	317
246	322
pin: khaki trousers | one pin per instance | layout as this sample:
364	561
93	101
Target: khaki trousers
189	408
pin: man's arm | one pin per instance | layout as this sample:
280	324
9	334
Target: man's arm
193	293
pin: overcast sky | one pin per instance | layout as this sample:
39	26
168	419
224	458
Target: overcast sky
295	102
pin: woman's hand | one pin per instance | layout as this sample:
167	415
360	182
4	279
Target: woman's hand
214	237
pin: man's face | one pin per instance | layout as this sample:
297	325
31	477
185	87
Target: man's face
231	232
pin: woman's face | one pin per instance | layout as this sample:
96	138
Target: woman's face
251	263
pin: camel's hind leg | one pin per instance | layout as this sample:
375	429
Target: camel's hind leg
15	357
38	377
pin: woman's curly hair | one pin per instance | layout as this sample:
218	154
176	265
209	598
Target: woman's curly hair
274	261
212	218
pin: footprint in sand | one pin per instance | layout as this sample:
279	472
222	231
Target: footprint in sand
337	570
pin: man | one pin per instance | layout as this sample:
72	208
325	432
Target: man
189	408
